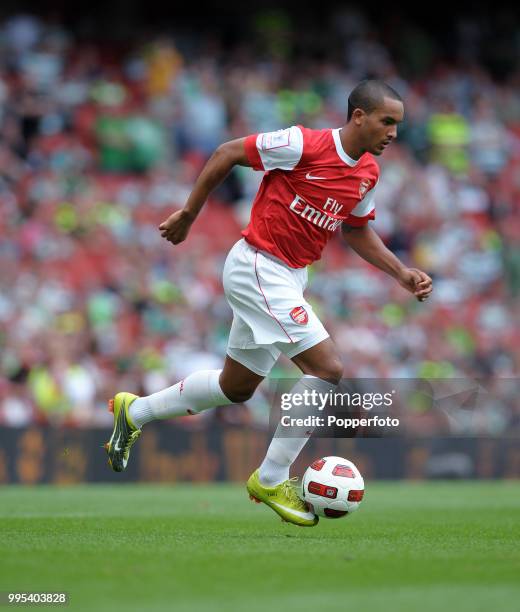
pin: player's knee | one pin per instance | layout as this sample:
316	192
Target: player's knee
239	395
331	370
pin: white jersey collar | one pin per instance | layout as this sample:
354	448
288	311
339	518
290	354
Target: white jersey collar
339	149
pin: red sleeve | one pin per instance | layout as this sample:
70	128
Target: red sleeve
252	152
360	221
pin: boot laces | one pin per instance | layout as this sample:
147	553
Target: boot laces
290	490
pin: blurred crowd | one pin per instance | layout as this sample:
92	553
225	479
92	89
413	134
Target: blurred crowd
100	143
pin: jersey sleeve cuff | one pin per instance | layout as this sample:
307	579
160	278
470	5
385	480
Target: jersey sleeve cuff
354	221
252	152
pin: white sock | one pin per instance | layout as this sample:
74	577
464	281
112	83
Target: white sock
195	393
282	451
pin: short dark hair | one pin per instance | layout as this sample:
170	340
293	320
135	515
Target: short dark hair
368	95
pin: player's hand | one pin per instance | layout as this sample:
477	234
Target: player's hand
416	282
176	227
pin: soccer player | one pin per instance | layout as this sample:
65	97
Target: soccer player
315	182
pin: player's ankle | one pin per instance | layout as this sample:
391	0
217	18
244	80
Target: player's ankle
140	412
271	474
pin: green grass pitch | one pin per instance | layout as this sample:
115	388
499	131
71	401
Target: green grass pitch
417	547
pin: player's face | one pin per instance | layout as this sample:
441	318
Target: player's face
379	127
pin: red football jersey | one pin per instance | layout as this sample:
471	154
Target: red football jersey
309	188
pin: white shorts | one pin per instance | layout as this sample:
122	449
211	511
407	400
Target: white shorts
271	316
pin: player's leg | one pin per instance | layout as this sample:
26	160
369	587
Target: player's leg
322	371
271	312
197	392
282	498
321	361
238	382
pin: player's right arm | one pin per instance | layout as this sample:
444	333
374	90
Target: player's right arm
176	227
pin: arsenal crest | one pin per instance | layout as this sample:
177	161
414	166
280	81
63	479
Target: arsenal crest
364	187
299	315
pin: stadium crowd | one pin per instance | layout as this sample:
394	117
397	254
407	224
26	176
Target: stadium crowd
99	145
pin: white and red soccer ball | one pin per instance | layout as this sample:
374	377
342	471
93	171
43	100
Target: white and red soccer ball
333	487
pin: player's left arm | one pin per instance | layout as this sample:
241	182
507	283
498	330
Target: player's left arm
368	245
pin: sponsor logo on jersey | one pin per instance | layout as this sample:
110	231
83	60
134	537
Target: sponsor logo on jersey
318	217
364	187
299	315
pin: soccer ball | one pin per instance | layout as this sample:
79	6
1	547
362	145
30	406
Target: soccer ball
333	487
